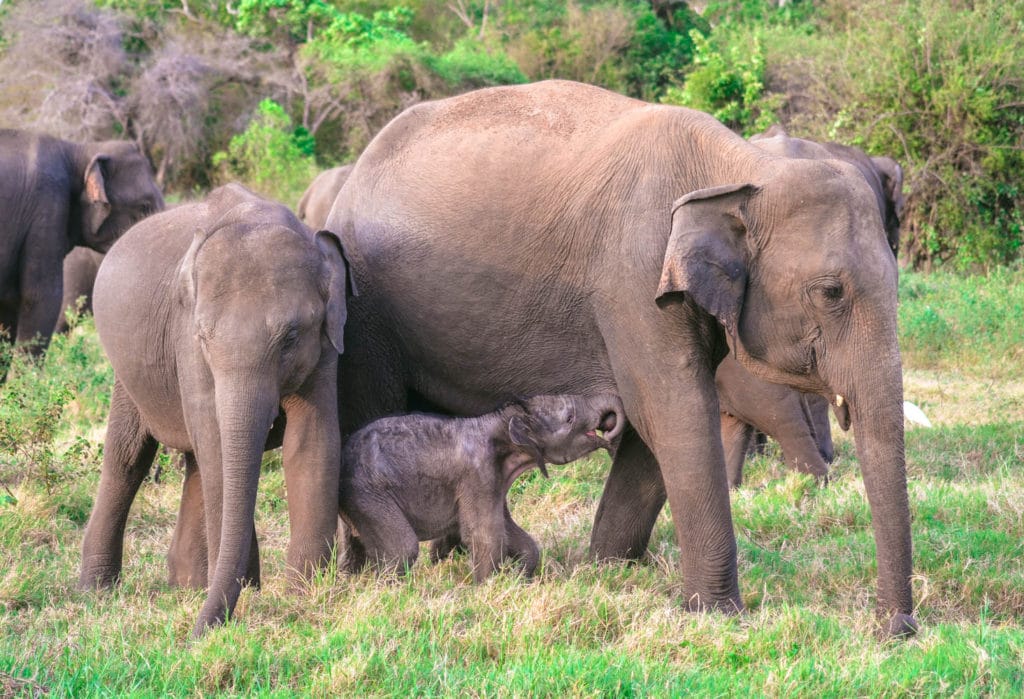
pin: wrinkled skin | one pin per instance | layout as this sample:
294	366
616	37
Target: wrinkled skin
559	238
316	201
80	268
221	319
794	419
748	403
55	195
419	477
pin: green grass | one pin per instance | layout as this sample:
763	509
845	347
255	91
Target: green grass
806	559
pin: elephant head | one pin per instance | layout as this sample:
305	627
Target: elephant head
820	318
559	429
117	190
267	305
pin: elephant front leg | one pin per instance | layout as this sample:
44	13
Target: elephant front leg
312	464
128	452
633	496
187	558
482	526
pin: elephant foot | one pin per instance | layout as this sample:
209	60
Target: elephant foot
901	626
98	575
730	605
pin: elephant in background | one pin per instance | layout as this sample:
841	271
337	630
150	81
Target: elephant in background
55	195
80	268
559	238
221	319
316	201
792	419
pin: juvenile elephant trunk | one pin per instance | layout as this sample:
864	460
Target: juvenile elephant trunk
877	412
244	416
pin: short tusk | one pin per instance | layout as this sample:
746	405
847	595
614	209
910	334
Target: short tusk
839	401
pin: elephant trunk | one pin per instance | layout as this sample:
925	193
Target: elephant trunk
876	406
244	416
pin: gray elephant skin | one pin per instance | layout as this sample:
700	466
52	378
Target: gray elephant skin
55	195
419	477
316	201
221	319
796	420
559	238
80	268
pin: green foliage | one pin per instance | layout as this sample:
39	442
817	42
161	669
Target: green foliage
972	323
728	83
660	51
271	155
470	65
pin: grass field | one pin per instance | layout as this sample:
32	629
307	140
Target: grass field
806	559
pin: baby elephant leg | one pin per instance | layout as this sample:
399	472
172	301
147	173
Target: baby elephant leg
483	528
520	546
355	553
442	547
383	536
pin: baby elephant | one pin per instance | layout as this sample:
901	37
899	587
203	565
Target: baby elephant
418	477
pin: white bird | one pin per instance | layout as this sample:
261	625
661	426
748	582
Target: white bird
915	415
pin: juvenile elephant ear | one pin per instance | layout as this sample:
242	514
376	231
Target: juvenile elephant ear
521	433
340	285
891	175
94	196
706	256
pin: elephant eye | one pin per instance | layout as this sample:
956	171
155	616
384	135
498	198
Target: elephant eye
828	292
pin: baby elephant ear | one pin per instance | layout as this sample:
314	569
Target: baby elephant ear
707	254
520	432
340	286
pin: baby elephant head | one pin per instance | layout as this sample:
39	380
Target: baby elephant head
558	429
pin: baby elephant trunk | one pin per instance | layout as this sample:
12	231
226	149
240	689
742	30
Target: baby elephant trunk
611	417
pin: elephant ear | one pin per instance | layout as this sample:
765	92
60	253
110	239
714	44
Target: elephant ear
340	286
891	175
707	256
522	434
94	196
187	272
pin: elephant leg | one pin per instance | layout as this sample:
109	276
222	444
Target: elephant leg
736	436
311	456
387	539
520	546
443	546
817	408
632	499
187	558
483	528
128	453
42	282
355	552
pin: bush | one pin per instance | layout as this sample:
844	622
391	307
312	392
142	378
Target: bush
271	155
937	86
728	82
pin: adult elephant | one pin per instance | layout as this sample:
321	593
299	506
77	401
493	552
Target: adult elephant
55	195
316	201
221	319
557	237
748	403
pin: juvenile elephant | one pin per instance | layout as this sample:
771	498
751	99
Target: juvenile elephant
419	477
80	268
318	198
559	238
795	419
221	319
55	195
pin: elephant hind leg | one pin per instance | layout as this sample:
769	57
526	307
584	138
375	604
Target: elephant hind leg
443	547
127	456
633	497
520	546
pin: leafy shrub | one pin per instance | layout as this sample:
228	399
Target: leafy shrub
271	155
937	86
728	83
470	64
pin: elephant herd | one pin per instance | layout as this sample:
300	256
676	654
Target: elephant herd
555	267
